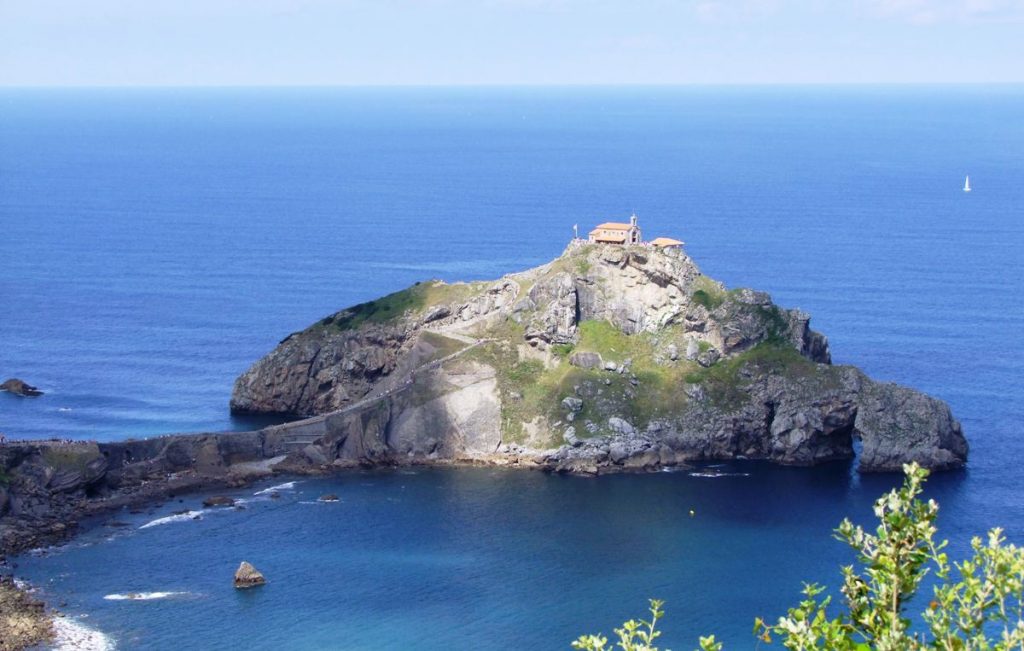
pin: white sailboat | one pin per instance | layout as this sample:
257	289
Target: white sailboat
967	184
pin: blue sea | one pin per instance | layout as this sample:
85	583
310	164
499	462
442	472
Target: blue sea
154	243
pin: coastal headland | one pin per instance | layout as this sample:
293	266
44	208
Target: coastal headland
610	358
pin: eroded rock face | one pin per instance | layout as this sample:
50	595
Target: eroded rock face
320	371
554	303
636	289
898	425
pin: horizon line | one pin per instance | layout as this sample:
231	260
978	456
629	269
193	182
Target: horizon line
497	85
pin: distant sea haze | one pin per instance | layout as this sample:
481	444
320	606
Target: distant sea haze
157	242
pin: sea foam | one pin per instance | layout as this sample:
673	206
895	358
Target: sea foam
714	473
287	486
143	596
71	635
180	517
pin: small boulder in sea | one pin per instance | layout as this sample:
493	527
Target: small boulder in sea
219	500
20	388
247	576
329	497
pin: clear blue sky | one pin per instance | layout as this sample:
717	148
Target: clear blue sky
312	42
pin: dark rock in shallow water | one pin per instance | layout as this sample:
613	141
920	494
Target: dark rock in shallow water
247	576
329	497
219	500
20	388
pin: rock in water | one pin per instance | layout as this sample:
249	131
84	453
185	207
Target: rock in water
247	576
329	497
219	500
20	388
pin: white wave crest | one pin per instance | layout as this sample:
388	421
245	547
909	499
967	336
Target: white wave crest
181	517
71	635
287	486
143	596
714	474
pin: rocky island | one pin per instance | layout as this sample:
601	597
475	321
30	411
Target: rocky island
610	358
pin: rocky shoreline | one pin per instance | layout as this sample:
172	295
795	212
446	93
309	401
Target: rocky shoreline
50	489
24	620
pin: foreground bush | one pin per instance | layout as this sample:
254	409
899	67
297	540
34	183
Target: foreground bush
977	604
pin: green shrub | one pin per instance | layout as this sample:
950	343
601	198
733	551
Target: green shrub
977	604
708	300
563	350
635	635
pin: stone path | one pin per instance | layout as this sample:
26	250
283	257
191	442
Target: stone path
300	433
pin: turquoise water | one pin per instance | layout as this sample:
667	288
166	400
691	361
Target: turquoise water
155	243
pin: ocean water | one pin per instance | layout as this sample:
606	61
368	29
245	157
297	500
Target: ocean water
155	243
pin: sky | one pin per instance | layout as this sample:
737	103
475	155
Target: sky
456	42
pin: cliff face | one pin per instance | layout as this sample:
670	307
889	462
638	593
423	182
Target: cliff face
607	358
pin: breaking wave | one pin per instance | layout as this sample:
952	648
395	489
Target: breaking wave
180	517
71	635
287	486
143	596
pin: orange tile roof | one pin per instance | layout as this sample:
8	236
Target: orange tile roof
666	241
611	239
613	226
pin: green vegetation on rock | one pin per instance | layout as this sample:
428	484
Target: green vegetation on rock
726	380
709	294
411	300
977	604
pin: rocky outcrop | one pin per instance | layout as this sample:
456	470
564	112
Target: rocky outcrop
897	425
247	576
644	361
24	622
48	487
20	388
787	421
320	370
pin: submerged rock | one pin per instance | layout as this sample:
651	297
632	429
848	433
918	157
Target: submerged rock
20	388
247	576
219	500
